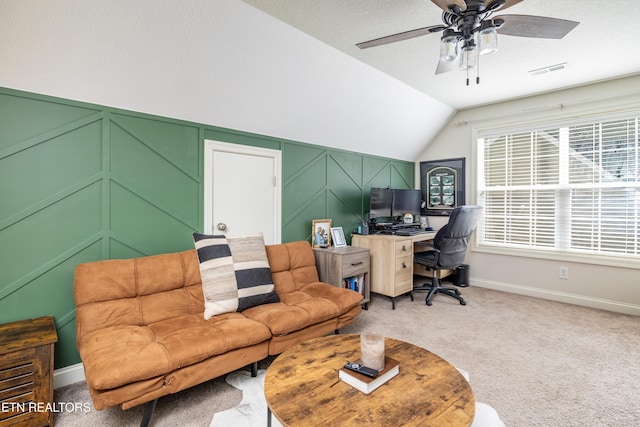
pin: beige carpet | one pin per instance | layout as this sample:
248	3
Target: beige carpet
537	362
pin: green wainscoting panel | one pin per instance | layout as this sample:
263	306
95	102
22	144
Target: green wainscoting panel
296	158
154	177
176	143
82	182
24	118
402	175
36	242
377	171
142	225
305	186
320	183
49	167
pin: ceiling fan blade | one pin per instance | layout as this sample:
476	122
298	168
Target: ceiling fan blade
444	4
507	3
401	36
535	26
446	66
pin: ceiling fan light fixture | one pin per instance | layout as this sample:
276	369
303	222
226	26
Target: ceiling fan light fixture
469	57
488	40
448	47
470	30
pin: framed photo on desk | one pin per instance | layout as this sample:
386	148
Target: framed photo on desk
442	185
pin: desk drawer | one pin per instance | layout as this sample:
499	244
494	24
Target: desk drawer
403	248
404	269
354	264
403	286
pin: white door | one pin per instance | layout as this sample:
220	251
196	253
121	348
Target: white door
242	190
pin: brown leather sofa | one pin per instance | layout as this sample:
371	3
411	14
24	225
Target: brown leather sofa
141	332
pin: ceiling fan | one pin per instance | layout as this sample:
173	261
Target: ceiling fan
469	29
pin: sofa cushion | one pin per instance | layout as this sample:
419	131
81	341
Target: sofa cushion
123	354
312	304
293	265
235	273
304	300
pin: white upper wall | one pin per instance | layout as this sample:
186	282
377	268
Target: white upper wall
216	62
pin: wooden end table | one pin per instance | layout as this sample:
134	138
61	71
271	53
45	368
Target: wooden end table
26	371
302	388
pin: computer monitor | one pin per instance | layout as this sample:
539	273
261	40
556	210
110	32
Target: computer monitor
406	201
380	203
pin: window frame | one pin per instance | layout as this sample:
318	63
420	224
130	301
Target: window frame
552	253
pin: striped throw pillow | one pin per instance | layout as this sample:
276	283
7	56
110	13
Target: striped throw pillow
235	273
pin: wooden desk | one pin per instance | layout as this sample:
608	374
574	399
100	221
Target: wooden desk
391	267
302	388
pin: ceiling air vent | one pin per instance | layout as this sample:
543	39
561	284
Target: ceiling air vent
548	69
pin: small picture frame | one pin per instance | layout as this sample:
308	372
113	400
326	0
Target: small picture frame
320	235
338	237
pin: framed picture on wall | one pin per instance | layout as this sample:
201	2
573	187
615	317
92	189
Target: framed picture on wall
320	233
338	237
442	185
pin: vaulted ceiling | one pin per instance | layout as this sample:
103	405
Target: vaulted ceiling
602	46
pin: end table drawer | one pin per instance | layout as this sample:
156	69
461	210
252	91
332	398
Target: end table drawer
353	264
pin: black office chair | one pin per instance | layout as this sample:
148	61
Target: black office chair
448	250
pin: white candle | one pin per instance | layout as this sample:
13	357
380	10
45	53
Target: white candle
372	350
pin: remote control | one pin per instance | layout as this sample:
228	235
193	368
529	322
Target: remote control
361	369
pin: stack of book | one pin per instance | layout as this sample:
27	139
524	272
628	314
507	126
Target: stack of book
367	384
355	283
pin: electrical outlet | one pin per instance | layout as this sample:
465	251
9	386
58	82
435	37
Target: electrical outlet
563	272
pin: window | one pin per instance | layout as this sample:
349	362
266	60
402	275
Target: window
570	188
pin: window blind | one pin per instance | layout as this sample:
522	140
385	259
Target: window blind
566	187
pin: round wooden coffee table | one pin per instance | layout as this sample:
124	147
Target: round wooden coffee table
302	388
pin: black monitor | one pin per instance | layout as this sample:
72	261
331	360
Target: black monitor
380	202
406	201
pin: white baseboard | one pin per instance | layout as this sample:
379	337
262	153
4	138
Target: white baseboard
602	304
68	375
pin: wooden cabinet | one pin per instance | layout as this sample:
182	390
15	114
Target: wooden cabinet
345	267
26	372
391	262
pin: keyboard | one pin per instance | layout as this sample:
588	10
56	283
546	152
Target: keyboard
410	231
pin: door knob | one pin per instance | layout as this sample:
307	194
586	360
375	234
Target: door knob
222	226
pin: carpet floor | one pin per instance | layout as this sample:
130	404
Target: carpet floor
537	362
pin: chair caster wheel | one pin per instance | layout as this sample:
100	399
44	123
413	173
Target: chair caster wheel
463	303
428	303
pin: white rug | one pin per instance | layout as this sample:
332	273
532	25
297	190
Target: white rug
252	409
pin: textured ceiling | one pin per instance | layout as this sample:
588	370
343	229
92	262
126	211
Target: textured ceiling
600	48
